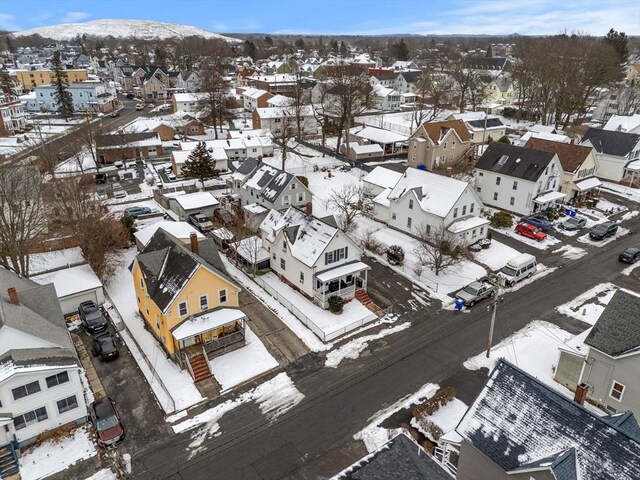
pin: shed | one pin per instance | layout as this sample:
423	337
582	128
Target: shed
190	203
73	286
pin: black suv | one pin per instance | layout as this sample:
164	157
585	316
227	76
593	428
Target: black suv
101	178
91	317
603	230
104	347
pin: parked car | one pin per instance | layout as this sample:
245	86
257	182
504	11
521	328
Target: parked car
573	223
92	317
630	255
201	221
171	176
118	191
139	106
476	291
530	231
130	96
518	268
114	114
135	212
101	178
106	421
103	347
119	164
542	223
603	230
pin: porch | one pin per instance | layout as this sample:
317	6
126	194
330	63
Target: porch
548	199
585	186
341	281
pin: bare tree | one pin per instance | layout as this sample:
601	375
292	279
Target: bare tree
434	93
320	115
348	201
216	104
283	131
438	249
23	215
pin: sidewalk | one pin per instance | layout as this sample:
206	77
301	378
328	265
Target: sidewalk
94	381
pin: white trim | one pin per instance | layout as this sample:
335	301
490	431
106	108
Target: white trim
624	387
186	304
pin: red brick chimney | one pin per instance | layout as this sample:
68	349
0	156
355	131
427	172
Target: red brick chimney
573	141
309	209
13	296
581	393
194	243
449	171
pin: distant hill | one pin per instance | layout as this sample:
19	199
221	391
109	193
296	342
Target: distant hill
141	29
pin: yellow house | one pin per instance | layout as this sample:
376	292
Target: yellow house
187	300
30	79
499	90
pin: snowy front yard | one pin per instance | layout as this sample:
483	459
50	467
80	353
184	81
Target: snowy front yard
589	306
497	255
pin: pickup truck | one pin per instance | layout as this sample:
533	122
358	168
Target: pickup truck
476	291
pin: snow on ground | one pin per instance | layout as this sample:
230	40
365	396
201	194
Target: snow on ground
570	252
446	417
56	455
607	206
585	238
588	306
534	349
40	262
621	190
178	382
104	474
497	255
542	271
374	436
543	245
355	347
302	160
629	215
118	209
274	398
627	271
329	323
238	366
83	164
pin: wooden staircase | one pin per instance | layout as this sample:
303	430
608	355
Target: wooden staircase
363	297
199	368
8	462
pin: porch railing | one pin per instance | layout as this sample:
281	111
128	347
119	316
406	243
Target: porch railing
442	456
343	292
217	346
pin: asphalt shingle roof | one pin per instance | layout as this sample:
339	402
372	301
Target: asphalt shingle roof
617	331
571	156
517	420
611	142
525	163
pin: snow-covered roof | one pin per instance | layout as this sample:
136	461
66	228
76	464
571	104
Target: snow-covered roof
377	135
554	137
307	237
180	230
342	270
255	208
223	233
465	224
268	181
277	112
383	198
251	249
381	91
370	148
226	144
207	321
70	281
254	93
589	183
436	194
280	101
623	123
549	197
189	97
382	177
194	201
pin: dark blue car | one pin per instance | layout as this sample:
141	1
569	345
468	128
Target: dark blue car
542	223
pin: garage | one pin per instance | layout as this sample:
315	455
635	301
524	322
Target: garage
73	286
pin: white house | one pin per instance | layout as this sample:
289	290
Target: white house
188	102
253	98
188	82
624	123
275	119
379	179
385	98
424	202
73	286
617	153
518	179
219	155
270	187
40	387
313	256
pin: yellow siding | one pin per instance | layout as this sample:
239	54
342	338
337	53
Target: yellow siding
32	78
204	282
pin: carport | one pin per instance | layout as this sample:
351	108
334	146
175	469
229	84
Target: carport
73	286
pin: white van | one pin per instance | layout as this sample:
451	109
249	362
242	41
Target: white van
517	269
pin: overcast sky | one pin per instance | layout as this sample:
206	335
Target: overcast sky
366	17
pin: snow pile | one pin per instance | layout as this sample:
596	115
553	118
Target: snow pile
104	474
56	455
497	255
355	347
570	252
446	417
581	308
601	243
542	271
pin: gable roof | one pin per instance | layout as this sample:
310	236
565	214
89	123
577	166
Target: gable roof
437	130
436	194
571	156
623	123
269	181
516	421
410	77
521	162
127	139
480	124
167	266
399	458
609	142
617	331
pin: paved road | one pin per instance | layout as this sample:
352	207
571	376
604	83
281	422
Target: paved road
340	401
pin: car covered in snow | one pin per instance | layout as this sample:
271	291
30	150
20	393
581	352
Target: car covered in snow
476	291
530	231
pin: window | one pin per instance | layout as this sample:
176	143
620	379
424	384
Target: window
141	282
157	322
274	256
464	210
497	180
515	185
428	229
301	277
617	390
480	174
57	379
204	303
182	309
29	418
455	212
283	264
301	197
393	216
478	189
512	201
67	404
409	222
24	390
495	195
444	146
336	255
284	247
222	295
471	208
546	171
453	144
410	204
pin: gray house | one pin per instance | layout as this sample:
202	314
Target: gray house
272	188
617	153
610	368
521	429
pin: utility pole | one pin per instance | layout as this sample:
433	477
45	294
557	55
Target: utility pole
494	309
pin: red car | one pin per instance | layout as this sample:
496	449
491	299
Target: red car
531	231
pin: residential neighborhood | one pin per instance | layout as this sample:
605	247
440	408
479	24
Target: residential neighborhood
392	251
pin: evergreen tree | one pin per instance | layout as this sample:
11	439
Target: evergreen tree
299	44
250	49
200	165
401	51
343	49
620	42
62	95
